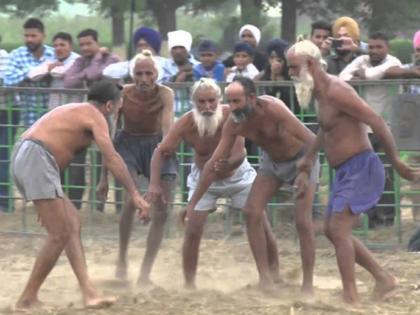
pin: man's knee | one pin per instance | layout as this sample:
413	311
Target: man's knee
303	224
253	214
194	229
159	215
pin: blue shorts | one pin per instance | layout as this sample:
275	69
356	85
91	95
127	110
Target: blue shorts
359	183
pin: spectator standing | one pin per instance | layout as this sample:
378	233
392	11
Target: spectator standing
144	38
252	35
243	56
209	66
85	70
55	70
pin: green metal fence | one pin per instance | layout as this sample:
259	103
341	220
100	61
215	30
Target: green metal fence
11	127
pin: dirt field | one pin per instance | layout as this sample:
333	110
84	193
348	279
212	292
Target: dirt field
225	276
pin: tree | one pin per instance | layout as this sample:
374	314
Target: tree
22	8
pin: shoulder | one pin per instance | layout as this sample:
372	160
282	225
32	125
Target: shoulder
393	59
18	52
339	91
128	87
165	91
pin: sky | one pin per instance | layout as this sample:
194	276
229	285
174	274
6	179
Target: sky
73	9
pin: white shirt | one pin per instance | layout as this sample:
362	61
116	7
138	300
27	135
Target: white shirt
57	74
377	96
124	69
250	71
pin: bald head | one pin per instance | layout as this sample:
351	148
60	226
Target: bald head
241	95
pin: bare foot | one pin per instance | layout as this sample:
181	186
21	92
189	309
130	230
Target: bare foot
102	302
146	283
121	271
307	292
190	286
350	298
28	304
385	288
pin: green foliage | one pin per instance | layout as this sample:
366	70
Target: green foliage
402	49
22	8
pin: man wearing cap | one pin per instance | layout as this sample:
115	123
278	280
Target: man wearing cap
209	66
143	38
250	34
347	48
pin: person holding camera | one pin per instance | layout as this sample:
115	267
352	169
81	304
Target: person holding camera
344	46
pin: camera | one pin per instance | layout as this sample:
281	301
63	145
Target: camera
336	43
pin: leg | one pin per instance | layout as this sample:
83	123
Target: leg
190	249
262	190
338	230
53	217
272	251
305	229
125	228
76	179
76	256
155	236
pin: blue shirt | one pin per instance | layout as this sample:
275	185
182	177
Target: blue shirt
182	96
21	61
217	72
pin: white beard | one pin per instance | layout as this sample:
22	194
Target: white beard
304	86
208	125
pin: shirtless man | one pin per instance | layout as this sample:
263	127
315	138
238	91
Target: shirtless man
201	128
267	122
359	180
147	112
45	150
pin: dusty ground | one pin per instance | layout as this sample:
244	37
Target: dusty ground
226	269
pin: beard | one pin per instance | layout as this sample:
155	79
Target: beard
240	115
33	47
208	122
304	86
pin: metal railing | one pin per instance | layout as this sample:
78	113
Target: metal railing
11	127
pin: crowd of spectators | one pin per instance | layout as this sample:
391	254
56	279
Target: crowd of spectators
36	64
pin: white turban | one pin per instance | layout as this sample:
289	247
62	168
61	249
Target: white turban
179	38
253	29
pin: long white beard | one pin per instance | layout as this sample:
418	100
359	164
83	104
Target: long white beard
208	125
304	86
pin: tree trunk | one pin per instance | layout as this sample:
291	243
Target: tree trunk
378	16
165	14
118	29
251	12
288	20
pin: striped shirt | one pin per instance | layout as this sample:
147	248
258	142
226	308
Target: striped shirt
21	62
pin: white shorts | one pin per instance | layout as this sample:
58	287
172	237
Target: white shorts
236	187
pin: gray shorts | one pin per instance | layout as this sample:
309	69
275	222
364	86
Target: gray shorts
137	152
35	171
286	171
236	187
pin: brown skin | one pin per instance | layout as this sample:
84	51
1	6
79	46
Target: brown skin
342	115
65	131
34	39
413	72
276	130
140	120
89	47
185	130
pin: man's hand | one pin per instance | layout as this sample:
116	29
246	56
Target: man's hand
407	172
222	166
102	190
301	184
53	65
183	215
142	205
154	193
104	50
348	44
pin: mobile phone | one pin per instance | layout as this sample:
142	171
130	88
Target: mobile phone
336	43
